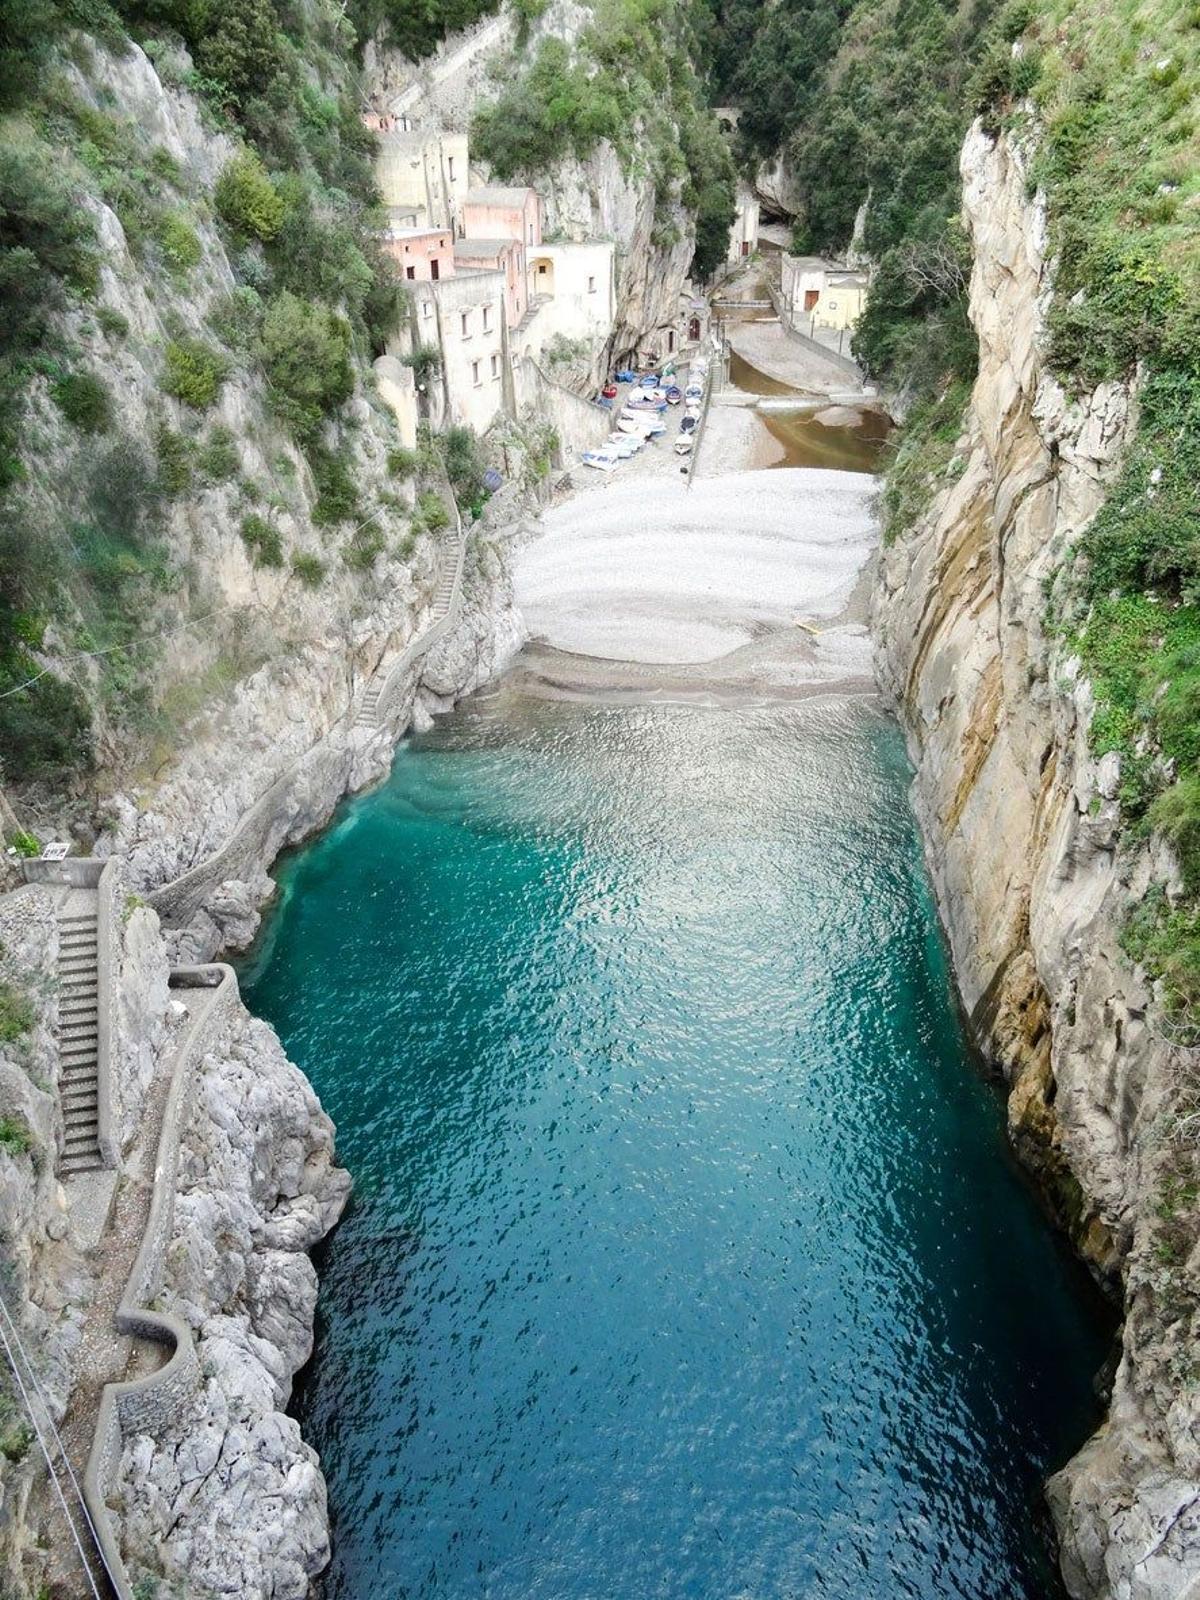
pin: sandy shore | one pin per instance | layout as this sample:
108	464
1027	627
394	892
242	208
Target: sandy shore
747	580
749	583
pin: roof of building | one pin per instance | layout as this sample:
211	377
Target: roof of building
484	247
415	233
496	195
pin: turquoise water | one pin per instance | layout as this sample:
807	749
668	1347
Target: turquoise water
686	1259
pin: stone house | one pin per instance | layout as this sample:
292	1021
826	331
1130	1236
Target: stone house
422	175
463	316
423	254
495	212
822	294
506	256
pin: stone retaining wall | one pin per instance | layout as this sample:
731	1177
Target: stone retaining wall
146	1405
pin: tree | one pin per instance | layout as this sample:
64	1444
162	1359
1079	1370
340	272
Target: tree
305	351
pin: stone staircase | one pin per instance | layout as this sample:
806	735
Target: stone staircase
443	599
79	1034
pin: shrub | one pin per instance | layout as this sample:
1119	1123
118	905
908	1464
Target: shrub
432	511
179	243
84	400
310	570
263	541
337	496
555	106
218	458
306	353
425	361
237	319
16	1014
25	844
402	463
194	372
242	52
247	199
174	462
15	1441
362	551
111	322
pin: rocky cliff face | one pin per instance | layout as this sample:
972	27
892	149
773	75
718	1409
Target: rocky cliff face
229	1498
1021	827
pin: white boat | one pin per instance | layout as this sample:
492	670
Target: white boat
625	444
602	460
684	445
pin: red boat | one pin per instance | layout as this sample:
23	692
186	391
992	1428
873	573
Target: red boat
609	391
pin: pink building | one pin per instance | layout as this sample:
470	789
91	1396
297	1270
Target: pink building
425	254
498	255
498	213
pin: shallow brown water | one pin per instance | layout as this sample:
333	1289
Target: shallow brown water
806	442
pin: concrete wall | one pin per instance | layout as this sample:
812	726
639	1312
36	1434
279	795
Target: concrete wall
581	424
398	389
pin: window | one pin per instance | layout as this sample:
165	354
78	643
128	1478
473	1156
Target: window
434	269
407	249
591	285
466	324
410	272
833	305
427	309
450	168
671	342
495	366
475	378
487	312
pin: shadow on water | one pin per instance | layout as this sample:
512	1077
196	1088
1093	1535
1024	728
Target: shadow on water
844	447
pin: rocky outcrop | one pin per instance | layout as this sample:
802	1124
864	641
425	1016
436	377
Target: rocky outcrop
228	1496
1022	834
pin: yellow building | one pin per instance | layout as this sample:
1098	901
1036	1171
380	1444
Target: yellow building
821	294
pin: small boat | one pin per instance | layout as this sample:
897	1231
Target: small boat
694	391
674	395
650	380
645	403
602	460
684	445
609	391
624	444
626	375
688	424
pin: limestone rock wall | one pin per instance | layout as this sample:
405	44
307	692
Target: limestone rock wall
1021	830
229	1497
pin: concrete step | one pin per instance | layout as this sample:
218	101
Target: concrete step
83	1102
79	1072
69	1166
77	1010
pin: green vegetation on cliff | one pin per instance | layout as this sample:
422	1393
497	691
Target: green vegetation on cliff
85	571
1115	88
629	79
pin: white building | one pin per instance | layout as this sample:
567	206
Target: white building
743	236
572	296
463	317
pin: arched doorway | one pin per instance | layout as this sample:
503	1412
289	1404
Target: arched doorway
541	271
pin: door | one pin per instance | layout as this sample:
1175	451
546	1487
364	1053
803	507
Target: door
433	269
745	247
694	330
811	296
